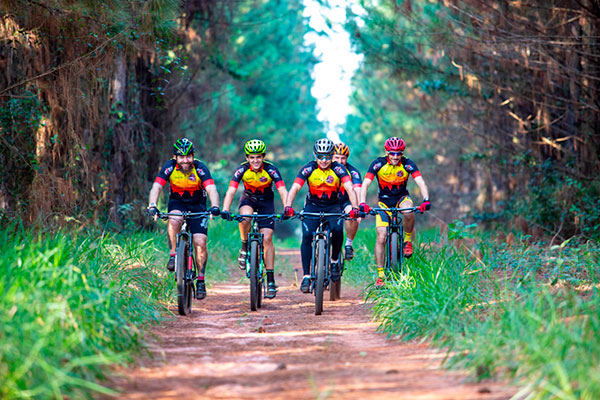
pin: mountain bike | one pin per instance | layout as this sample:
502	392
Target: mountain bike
320	266
394	244
186	267
255	257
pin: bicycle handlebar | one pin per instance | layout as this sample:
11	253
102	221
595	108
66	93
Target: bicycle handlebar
184	214
241	217
375	210
303	214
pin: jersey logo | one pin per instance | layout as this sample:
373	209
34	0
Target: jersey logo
355	174
192	178
400	173
330	179
263	179
306	171
408	167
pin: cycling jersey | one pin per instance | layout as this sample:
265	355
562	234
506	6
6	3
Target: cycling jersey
187	188
356	182
392	179
323	185
257	184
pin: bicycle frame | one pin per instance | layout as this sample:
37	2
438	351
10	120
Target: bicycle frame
255	236
185	280
394	252
321	279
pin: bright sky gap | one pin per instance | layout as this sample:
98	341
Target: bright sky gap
333	75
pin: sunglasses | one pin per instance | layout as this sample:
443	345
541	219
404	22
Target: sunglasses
395	153
324	157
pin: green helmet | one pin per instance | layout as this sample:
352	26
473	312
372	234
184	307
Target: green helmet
255	146
183	147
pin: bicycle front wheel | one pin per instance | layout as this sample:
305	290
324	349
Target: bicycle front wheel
320	275
395	259
254	279
184	289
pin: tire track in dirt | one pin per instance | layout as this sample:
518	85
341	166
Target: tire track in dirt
284	351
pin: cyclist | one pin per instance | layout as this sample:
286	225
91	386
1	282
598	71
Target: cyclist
258	176
341	152
190	183
392	174
325	177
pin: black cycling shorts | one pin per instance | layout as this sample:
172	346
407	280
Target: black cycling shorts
197	225
261	207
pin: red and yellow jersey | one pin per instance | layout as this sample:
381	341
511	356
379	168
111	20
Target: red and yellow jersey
323	185
258	185
190	187
392	179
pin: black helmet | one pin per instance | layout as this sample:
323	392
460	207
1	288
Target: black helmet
183	147
323	146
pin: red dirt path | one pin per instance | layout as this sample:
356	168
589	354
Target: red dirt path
284	351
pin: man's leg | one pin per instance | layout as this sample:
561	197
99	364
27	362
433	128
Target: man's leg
200	240
244	229
173	228
409	226
309	225
351	229
269	261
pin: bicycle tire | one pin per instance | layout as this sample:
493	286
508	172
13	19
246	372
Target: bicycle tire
394	254
320	275
254	260
184	295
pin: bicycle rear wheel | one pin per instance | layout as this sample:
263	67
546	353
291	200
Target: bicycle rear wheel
320	272
335	288
254	280
184	288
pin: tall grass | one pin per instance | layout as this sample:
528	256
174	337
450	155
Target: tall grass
72	304
530	312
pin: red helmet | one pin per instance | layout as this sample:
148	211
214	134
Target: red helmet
394	144
341	149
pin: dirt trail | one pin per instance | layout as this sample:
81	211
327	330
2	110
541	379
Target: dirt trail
284	351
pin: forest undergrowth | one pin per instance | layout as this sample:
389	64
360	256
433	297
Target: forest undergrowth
75	303
526	312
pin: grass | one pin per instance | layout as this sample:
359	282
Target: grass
74	303
528	312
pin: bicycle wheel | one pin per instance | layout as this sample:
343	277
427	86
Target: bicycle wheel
338	285
254	281
184	290
394	253
320	272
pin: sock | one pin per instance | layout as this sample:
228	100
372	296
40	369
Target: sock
171	254
380	272
201	277
349	241
270	276
245	245
407	237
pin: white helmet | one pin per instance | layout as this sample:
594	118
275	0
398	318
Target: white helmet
323	146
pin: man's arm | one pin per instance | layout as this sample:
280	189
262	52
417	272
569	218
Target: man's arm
351	193
364	189
422	186
154	193
229	195
283	193
213	195
292	194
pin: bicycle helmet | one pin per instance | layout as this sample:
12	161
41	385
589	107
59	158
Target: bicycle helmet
323	146
394	144
183	147
341	149
255	146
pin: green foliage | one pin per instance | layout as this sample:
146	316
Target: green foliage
529	313
71	305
